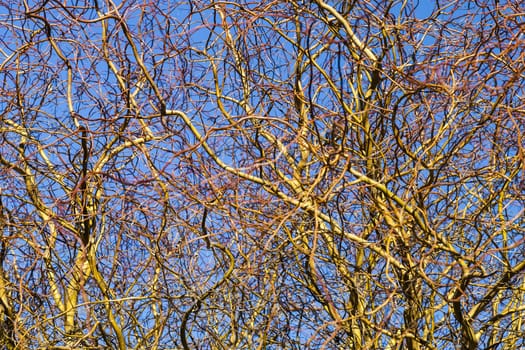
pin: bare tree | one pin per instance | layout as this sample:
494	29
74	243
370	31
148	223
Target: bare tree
262	175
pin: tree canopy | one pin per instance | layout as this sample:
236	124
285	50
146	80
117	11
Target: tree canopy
189	174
